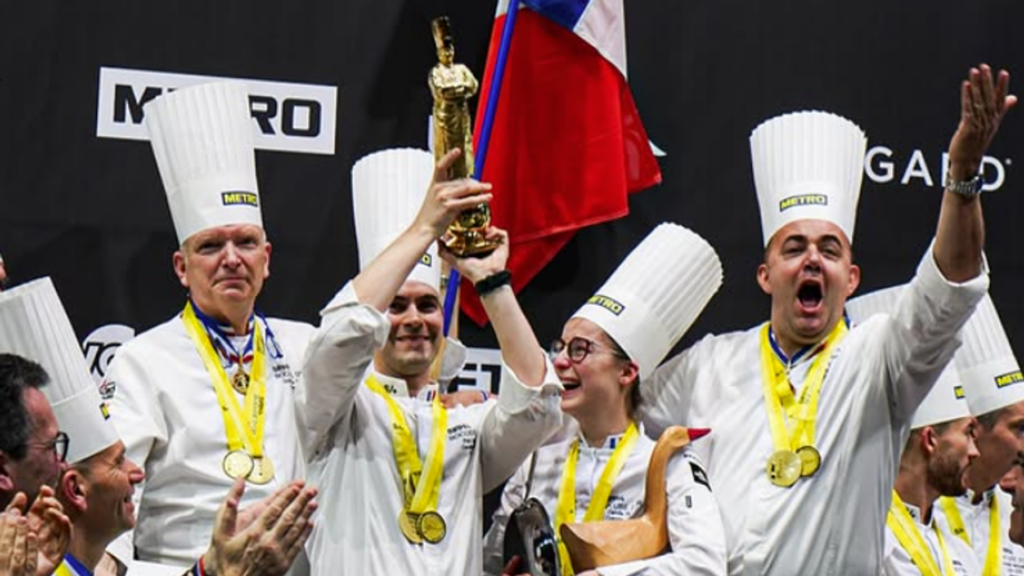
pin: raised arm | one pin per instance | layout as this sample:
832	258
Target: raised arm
377	285
960	236
527	411
520	349
353	324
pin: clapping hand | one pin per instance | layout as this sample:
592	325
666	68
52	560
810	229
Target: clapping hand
262	540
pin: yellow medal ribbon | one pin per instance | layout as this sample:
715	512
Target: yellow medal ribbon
792	422
565	512
994	553
422	490
910	538
242	432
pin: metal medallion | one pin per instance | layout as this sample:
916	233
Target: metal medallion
238	464
784	468
431	527
810	458
240	381
262	470
407	524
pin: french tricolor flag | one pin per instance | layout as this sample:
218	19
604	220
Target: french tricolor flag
566	145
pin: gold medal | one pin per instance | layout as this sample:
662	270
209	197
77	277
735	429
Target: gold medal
262	470
240	381
784	468
431	527
810	459
237	464
407	524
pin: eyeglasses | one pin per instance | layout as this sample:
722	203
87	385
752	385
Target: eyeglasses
578	348
59	445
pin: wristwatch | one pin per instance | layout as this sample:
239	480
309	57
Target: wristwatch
966	188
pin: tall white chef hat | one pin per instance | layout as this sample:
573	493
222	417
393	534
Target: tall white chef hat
945	401
202	140
656	294
807	165
33	325
387	190
990	372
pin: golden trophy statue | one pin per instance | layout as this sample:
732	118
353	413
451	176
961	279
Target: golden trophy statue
452	85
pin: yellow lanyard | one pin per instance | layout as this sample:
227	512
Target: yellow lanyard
994	554
421	491
64	570
241	432
565	511
903	526
795	427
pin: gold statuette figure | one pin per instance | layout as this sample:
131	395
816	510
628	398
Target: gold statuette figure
452	85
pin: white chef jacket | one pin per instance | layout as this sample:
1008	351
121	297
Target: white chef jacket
696	534
832	522
897	561
166	411
976	519
348	434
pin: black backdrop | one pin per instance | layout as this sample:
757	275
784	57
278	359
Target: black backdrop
90	211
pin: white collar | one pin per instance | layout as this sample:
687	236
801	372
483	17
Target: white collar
610	442
914	512
986	497
398	387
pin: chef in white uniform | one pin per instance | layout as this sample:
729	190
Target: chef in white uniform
995	393
401	477
937	455
597	468
95	488
207	396
809	417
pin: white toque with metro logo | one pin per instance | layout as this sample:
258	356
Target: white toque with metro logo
202	141
388	188
990	372
656	294
807	165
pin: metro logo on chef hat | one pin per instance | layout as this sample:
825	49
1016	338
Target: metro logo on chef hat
656	294
202	140
807	165
388	188
946	401
990	372
34	325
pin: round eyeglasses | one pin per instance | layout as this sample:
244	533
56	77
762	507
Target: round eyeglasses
578	348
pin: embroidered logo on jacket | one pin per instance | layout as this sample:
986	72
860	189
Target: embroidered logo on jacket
699	475
465	433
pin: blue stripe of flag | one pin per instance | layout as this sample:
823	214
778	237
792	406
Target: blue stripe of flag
565	12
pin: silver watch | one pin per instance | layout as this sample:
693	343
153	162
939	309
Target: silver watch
966	188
